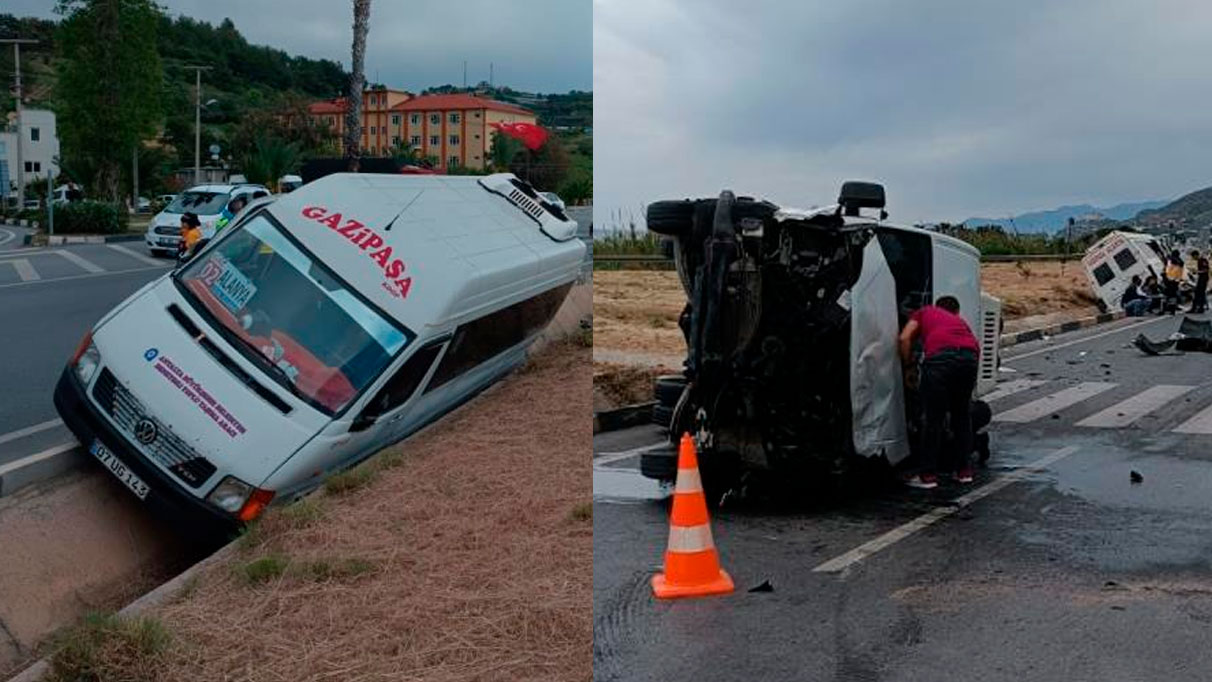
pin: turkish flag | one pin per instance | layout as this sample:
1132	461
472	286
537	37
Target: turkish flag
530	134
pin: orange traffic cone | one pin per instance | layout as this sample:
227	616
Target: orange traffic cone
692	566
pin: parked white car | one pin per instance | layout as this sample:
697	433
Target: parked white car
318	328
207	201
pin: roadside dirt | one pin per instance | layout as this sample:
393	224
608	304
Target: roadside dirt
465	554
82	543
636	313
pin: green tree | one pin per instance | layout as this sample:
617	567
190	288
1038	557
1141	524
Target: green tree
503	151
269	160
545	168
109	85
357	80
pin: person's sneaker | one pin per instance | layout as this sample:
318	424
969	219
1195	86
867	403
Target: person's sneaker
963	475
922	481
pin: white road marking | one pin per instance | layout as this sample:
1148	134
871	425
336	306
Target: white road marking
609	457
899	533
1012	387
1053	403
37	457
135	254
25	271
79	260
1084	339
9	235
74	277
1128	411
30	430
1200	423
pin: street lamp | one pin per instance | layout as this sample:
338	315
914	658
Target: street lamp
198	120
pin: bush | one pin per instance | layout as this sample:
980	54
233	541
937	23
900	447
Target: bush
88	217
107	647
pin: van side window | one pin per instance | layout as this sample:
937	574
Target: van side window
400	387
1103	274
485	338
1124	259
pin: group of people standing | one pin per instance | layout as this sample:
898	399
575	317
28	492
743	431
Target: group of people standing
1151	296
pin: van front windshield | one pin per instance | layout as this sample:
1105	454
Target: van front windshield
291	315
202	203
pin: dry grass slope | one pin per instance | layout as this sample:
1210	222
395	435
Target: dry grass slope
467	557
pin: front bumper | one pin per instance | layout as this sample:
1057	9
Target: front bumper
168	499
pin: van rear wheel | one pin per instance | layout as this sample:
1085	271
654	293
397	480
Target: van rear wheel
671	218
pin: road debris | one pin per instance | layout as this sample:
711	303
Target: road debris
764	587
1136	477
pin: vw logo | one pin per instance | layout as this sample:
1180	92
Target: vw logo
146	431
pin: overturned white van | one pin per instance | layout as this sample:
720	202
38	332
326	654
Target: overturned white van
791	328
1112	262
316	330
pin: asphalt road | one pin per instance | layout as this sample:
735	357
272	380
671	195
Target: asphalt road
49	297
1053	565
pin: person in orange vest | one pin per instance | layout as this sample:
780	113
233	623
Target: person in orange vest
191	234
948	377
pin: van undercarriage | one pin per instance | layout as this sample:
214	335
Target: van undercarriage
768	323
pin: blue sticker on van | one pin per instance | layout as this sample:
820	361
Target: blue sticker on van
150	354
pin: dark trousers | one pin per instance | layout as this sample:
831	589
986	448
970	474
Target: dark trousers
1200	303
1170	287
948	379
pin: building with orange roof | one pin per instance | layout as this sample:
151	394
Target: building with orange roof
451	128
378	120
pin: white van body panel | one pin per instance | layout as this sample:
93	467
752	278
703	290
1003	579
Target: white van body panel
467	252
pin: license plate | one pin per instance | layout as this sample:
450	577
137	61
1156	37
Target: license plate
117	468
167	242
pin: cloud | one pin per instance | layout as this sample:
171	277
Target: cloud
539	45
960	108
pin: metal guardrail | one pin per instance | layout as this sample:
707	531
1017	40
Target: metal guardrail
633	259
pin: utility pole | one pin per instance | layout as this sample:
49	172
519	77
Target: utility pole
464	74
134	178
17	43
198	121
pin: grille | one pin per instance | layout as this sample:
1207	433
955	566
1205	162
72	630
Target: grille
168	230
124	410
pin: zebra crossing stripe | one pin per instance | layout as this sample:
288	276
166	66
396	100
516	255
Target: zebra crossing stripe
25	270
1012	387
1201	423
82	262
1053	403
1128	411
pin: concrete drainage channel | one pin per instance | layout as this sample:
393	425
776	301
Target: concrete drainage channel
86	537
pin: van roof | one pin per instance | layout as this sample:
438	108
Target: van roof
224	189
429	249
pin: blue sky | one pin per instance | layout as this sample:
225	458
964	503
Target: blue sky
544	46
961	108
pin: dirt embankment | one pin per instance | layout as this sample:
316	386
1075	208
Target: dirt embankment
635	332
463	554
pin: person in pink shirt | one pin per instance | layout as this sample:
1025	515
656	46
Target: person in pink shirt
948	376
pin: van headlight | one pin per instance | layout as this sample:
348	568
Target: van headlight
237	497
87	363
230	494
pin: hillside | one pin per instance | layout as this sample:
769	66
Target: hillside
1056	219
573	109
1189	210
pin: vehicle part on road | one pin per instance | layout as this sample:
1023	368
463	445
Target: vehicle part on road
1152	347
764	587
1135	477
791	324
662	415
668	388
692	565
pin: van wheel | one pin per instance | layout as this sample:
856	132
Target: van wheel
662	415
670	218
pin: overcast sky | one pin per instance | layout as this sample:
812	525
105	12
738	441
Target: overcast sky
537	45
961	108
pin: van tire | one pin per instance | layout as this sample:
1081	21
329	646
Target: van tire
667	389
660	465
670	218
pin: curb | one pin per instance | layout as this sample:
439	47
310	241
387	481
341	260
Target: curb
622	418
1016	338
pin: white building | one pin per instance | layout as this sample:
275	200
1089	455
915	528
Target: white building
39	149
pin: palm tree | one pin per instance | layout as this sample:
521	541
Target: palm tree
271	158
353	112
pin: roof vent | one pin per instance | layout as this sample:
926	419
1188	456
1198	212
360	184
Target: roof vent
552	221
